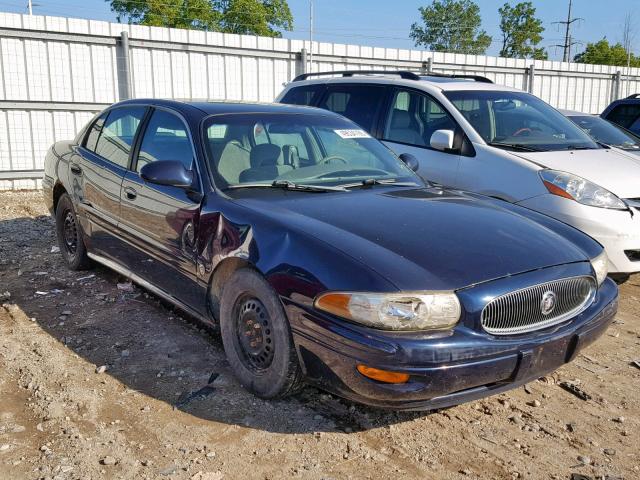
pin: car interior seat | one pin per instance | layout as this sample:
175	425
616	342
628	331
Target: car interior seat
266	164
401	129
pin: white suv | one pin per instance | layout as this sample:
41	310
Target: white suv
470	134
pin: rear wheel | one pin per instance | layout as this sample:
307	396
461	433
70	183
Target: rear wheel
69	234
256	337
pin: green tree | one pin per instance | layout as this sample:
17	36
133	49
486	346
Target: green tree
603	53
521	31
255	17
451	26
250	17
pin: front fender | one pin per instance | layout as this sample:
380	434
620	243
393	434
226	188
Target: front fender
298	265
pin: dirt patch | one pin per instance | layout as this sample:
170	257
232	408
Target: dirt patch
166	406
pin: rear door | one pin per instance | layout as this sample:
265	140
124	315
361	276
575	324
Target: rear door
161	221
410	120
97	170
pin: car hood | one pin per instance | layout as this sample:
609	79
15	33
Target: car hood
425	238
614	170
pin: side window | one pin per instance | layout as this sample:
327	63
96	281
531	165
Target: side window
635	126
165	138
306	95
624	115
359	103
413	117
94	132
118	133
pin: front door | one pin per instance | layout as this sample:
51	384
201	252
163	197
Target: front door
412	118
161	221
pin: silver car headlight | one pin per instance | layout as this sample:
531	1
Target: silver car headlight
394	311
600	265
576	188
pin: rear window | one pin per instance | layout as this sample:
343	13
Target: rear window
307	95
624	114
359	103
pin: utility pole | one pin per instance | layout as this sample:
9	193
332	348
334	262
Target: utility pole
30	7
566	54
310	35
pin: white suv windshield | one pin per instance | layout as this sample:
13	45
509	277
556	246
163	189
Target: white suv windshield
309	149
517	120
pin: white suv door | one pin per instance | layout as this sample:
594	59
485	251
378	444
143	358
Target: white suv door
411	120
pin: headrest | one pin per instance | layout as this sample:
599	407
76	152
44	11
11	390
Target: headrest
291	155
400	119
264	155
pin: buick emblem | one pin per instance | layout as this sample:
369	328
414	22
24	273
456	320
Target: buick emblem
548	302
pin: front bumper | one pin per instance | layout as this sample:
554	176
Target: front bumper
445	369
616	230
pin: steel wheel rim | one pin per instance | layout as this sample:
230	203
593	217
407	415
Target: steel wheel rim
70	232
254	335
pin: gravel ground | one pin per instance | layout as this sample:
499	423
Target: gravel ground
99	379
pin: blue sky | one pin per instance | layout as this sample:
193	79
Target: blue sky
387	23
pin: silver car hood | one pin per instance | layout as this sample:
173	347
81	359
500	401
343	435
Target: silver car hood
617	171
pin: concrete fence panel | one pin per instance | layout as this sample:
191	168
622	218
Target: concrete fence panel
56	72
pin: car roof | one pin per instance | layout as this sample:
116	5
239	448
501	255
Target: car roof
575	113
432	82
633	98
226	107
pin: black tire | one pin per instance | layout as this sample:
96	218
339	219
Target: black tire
619	278
70	235
257	338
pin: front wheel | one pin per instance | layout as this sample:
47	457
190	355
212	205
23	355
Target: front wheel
256	337
69	233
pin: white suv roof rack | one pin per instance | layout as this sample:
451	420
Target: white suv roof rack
404	74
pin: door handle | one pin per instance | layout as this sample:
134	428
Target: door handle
130	193
75	169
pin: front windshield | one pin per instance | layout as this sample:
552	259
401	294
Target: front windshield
518	120
606	132
310	149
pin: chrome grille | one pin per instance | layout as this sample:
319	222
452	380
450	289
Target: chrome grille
522	310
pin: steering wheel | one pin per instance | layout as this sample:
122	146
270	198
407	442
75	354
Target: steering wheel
521	131
330	158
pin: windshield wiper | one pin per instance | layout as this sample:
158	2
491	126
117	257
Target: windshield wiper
514	146
369	182
287	185
578	147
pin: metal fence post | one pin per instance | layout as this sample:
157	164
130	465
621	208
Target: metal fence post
123	66
617	81
531	76
301	62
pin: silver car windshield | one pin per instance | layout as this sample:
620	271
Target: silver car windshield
519	121
301	149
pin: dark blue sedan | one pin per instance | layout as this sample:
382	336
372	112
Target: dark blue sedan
323	257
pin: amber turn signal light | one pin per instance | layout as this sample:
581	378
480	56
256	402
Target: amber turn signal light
383	375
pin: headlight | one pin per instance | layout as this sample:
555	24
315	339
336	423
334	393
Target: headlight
394	311
600	265
577	188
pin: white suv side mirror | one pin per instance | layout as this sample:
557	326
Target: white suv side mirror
442	140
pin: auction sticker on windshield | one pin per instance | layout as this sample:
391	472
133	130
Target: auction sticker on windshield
352	133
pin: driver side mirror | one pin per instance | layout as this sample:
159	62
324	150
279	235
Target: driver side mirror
442	140
410	161
167	172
